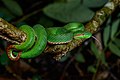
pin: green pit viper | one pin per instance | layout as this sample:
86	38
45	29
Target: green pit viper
38	37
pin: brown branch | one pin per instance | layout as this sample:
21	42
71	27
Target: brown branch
11	33
14	35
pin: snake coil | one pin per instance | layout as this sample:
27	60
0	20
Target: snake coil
38	37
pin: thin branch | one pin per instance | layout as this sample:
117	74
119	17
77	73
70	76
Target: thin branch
14	35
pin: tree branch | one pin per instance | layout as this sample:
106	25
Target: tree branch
11	33
14	35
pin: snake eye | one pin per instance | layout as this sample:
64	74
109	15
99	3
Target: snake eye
82	35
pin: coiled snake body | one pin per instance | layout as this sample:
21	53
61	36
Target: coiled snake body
38	37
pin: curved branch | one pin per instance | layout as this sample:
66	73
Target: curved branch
14	35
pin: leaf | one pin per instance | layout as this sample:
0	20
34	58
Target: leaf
80	58
114	27
4	13
45	21
36	77
91	69
99	55
4	60
68	12
94	3
118	15
109	20
103	59
117	42
13	6
114	49
94	50
106	35
75	1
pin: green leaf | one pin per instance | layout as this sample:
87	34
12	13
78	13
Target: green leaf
114	28
95	50
106	35
94	3
5	14
80	58
4	60
102	58
118	15
46	22
91	69
75	1
36	77
109	20
68	12
114	49
99	55
13	6
117	42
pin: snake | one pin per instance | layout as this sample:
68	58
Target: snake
25	45
38	37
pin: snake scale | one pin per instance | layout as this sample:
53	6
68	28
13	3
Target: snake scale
38	37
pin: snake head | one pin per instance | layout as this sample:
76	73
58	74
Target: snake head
82	35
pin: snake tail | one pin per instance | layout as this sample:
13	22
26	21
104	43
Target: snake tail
10	53
22	46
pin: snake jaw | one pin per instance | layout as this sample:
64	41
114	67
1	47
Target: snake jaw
58	42
78	35
10	53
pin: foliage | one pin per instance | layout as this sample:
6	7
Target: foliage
68	12
14	8
110	36
57	13
4	60
72	11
